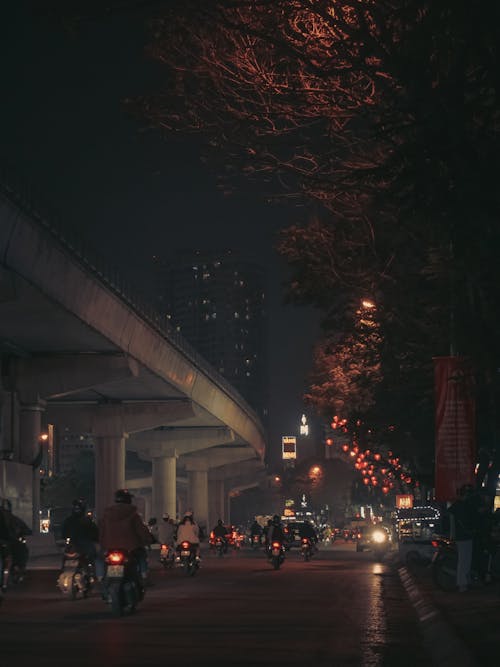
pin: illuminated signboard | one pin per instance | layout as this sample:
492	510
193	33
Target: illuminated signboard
404	501
289	446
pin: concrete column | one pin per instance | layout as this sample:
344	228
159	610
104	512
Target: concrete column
164	476
198	496
109	469
216	500
30	428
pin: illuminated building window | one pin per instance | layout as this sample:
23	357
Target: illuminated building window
236	315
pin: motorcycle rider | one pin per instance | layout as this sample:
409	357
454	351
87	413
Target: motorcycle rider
275	532
306	530
221	531
255	529
12	529
121	526
265	531
167	530
81	530
189	531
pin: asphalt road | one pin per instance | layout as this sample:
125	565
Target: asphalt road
340	609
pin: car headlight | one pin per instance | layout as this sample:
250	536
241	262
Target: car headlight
379	536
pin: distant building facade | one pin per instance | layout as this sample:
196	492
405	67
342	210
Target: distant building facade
70	446
217	301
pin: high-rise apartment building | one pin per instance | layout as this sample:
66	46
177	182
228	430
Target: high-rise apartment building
217	301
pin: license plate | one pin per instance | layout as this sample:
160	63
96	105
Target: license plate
276	552
163	552
185	553
115	571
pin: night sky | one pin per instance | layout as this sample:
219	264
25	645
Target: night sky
131	191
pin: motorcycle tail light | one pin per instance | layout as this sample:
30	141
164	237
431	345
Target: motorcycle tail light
304	540
435	544
185	545
276	545
115	558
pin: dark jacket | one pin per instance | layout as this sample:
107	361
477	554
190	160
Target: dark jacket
466	517
12	527
80	529
121	527
220	531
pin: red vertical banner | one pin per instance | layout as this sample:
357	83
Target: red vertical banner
455	426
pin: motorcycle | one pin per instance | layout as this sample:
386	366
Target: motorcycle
13	560
187	558
220	546
77	573
256	541
276	554
4	568
122	581
167	555
306	549
485	565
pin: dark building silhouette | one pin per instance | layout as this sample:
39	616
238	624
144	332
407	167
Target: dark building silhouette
217	301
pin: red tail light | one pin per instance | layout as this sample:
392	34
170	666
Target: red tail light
435	544
185	545
276	545
115	558
304	540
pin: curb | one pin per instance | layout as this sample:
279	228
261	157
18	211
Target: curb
442	643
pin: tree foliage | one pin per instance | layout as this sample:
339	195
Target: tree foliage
381	117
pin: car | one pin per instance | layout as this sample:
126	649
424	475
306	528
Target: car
292	529
371	537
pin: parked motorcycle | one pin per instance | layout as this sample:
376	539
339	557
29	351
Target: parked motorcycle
276	554
187	558
122	581
167	555
485	565
77	573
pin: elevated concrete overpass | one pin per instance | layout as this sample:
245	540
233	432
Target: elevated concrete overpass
79	351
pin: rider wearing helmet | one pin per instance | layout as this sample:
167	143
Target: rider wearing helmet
220	530
275	531
122	527
82	532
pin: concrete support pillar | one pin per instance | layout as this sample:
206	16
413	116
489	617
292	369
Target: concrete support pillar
216	501
109	469
30	428
227	507
164	476
197	496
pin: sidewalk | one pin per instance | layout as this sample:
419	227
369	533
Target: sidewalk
460	629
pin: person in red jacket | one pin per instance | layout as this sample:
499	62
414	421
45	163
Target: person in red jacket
121	527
